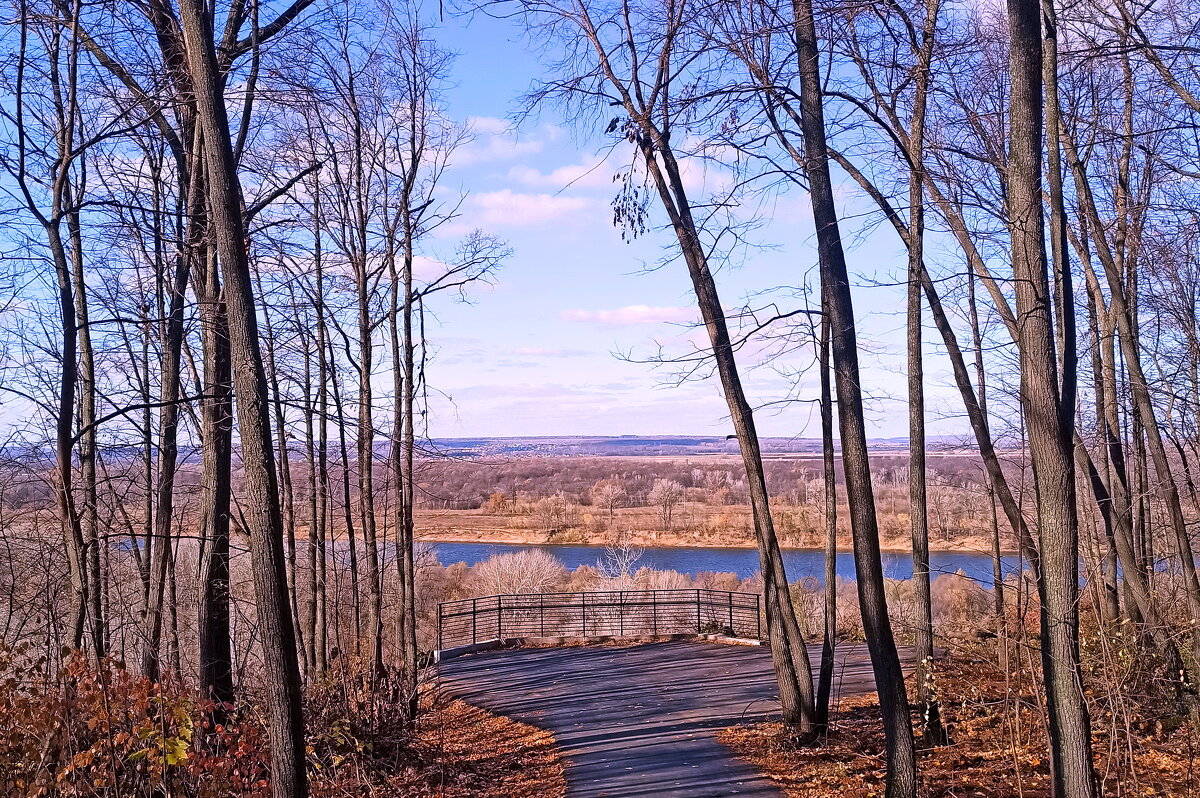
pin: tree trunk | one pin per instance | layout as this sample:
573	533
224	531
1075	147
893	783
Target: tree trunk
789	654
68	514
934	731
366	480
1049	419
829	637
286	496
285	721
836	301
981	401
403	449
308	644
216	418
168	455
347	507
321	510
87	510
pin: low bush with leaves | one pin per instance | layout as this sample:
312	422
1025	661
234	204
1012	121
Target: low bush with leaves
79	730
74	730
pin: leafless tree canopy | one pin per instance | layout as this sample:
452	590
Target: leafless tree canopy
219	222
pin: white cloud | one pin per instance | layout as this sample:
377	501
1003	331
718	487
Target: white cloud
506	208
590	174
488	125
495	140
427	268
536	351
632	314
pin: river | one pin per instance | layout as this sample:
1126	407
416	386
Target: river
800	563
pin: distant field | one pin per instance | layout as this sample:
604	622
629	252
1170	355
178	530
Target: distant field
554	499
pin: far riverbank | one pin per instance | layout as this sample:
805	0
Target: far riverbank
692	561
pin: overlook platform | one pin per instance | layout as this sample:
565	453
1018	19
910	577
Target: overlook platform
641	720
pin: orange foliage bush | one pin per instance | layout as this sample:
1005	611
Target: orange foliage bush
85	731
78	731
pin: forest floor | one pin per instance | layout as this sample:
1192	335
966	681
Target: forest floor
94	732
998	746
461	751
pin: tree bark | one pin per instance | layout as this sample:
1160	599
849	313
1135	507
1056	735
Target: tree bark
934	731
216	418
836	301
829	637
285	721
1049	419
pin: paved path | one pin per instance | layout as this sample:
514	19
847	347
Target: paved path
640	721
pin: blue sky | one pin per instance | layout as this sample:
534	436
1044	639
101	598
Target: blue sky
539	352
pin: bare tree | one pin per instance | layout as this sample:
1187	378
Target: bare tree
829	472
641	58
836	303
666	495
1049	411
44	162
609	494
262	512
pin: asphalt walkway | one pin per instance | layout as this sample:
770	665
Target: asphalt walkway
640	721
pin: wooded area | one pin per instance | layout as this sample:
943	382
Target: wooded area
217	271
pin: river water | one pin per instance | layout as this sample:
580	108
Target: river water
800	563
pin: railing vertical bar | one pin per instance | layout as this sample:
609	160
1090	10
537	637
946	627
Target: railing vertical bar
757	617
474	616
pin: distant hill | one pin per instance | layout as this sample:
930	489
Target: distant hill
560	446
632	445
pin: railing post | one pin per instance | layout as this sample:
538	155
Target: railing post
698	625
499	617
583	614
542	613
758	616
731	629
654	612
439	627
621	611
474	615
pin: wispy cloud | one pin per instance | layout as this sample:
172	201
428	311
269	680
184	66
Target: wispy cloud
507	208
592	173
631	314
534	351
495	140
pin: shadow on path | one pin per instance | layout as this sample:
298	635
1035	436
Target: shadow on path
640	720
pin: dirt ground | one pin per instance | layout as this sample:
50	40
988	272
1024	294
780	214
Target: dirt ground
998	746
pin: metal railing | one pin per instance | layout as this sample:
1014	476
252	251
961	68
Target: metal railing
602	613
